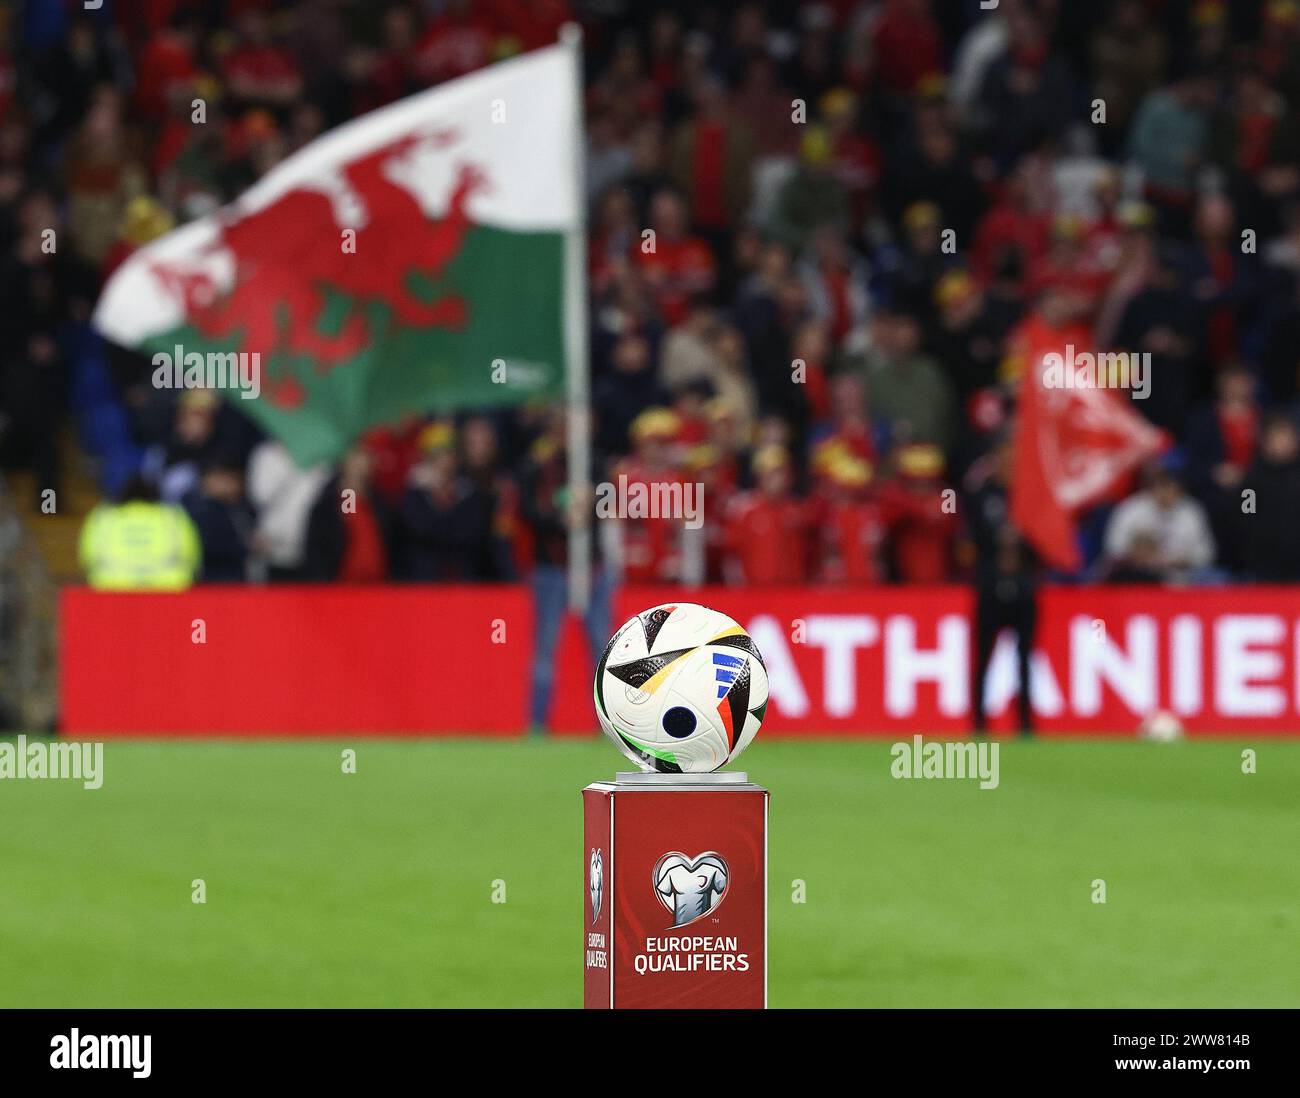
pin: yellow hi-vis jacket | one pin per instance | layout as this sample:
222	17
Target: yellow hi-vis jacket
139	546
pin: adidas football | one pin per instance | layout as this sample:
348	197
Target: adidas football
681	689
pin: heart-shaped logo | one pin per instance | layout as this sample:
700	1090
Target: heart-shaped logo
690	888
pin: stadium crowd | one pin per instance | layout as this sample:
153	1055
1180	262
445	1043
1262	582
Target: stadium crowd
858	209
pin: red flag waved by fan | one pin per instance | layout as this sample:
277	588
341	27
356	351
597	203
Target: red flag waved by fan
1077	436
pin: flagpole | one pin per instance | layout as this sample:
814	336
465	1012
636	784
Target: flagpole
576	361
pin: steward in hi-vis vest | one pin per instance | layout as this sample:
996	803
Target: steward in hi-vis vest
139	544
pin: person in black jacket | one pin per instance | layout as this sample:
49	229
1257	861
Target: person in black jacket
350	528
449	520
1269	535
1006	581
223	517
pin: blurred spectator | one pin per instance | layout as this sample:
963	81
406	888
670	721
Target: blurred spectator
712	160
810	349
933	164
102	176
608	158
41	287
393	452
1027	95
649	548
1268	503
854	153
175	465
769	529
139	544
1160	534
905	386
921	514
447	519
835	284
622	395
258	71
1018	224
549	511
1169	138
1129	56
1222	441
350	528
967	337
757	100
677	265
849	527
921	261
906	44
688	349
1219	275
624	90
1158	321
282	495
647	176
812	197
223	518
848	428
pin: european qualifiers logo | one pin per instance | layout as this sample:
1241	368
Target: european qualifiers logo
690	888
597	950
596	881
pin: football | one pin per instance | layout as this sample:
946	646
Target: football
681	689
1161	727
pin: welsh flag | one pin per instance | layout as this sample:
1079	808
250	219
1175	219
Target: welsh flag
409	261
1073	445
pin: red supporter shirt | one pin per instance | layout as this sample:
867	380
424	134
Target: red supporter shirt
1238	437
906	47
651	546
165	62
364	557
708	177
921	532
675	269
454	46
260	63
768	539
850	534
1003	229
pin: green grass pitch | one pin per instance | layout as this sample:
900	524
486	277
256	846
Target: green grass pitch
375	889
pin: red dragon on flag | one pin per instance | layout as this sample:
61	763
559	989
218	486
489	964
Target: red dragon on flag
410	261
289	253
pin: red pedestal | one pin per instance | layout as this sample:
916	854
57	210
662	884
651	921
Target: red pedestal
675	914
